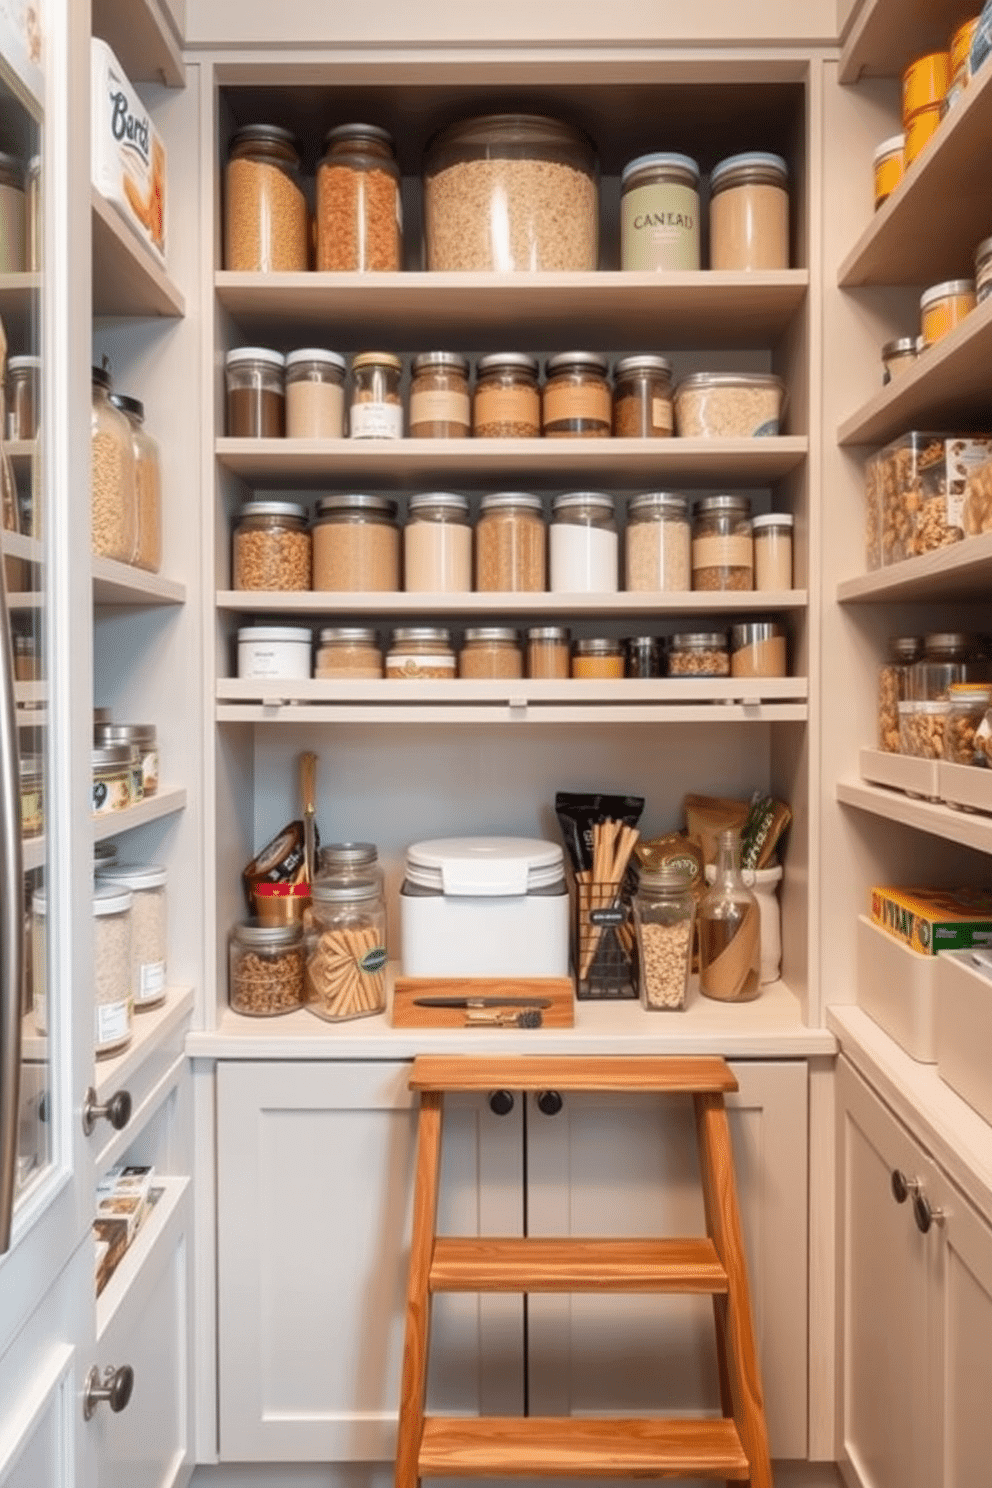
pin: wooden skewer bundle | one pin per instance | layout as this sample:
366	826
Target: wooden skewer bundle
337	984
598	887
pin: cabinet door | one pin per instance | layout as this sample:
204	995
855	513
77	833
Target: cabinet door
627	1165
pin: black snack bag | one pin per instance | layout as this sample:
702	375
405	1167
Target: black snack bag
579	811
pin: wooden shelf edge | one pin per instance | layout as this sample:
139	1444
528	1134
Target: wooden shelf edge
711	714
962	827
958	571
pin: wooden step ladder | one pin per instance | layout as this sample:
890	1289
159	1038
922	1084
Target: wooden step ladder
733	1448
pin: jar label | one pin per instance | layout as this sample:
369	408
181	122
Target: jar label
112	793
376	421
722	552
113	1022
496	405
435	406
401	664
149	771
659	227
661	414
374	960
151	981
583	401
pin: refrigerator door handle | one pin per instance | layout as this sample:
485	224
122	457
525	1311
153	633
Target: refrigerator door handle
11	923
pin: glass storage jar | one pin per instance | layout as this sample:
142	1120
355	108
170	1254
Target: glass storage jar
508	192
13	230
359	206
729	930
722	543
346	950
945	656
147	485
642	397
491	651
256	393
23	396
597	658
437	544
139	736
375	409
33	227
944	306
314	394
548	653
113	1003
657	543
510	543
699	653
749	212
923	727
664	912
350	863
898	356
906	710
113	779
440	407
576	401
149	928
112	475
894	687
32	782
349	652
507	401
266	224
356	544
729	405
584	547
643	656
421	652
772	534
266	969
967	705
659	212
757	649
272	547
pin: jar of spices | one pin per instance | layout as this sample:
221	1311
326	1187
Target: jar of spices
266	651
749	212
350	863
507	402
510	543
440	407
113	779
491	651
437	544
376	407
888	165
421	651
349	652
664	915
722	544
898	356
13	234
894	687
772	534
256	395
597	658
548	653
657	543
32	781
359	209
967	705
643	656
983	270
266	224
576	401
920	129
642	397
701	653
314	394
584	545
346	951
659	213
146	884
944	306
267	966
138	736
23	396
757	649
112	475
356	544
272	547
147	485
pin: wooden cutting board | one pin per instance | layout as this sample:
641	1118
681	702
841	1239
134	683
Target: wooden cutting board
405	1013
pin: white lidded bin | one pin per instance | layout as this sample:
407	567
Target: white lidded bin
485	907
274	651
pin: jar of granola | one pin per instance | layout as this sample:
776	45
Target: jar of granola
895	681
576	401
967	705
491	651
272	547
507	402
722	543
440	407
510	543
348	652
421	652
702	653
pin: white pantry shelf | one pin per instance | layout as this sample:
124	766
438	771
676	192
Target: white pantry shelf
127	278
958	572
166	801
396	606
963	827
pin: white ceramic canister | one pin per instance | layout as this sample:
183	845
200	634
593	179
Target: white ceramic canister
274	651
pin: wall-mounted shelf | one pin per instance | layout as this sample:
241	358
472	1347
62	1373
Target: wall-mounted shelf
127	279
963	827
18	309
120	584
886	35
142	39
166	801
397	606
960	571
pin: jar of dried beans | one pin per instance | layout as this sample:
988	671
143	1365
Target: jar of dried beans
314	394
346	951
375	410
147	485
266	224
147	885
112	475
267	965
510	543
895	680
642	397
439	400
437	544
348	652
722	545
359	209
272	547
356	544
576	400
657	543
256	394
491	651
507	403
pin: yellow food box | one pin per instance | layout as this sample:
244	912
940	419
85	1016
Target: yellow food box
933	920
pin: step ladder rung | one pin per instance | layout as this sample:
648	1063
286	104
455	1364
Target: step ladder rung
689	1075
576	1265
570	1447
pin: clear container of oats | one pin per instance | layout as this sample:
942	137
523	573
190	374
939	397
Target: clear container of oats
356	544
266	223
359	210
149	927
749	212
548	652
375	409
112	1000
722	543
440	406
266	969
348	652
272	547
657	543
113	526
491	651
664	912
510	543
968	702
437	544
895	683
576	402
642	397
701	653
147	485
729	405
507	401
419	652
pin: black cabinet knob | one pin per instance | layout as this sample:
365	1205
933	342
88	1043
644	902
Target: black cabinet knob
549	1102
925	1214
501	1102
902	1186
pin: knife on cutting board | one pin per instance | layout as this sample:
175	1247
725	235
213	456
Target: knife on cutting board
482	1002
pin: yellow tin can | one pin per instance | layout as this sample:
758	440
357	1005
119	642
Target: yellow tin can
924	83
919	131
888	167
943	306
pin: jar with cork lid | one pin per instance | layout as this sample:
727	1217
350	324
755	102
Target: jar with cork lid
375	410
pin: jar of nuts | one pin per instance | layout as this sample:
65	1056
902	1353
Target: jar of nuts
924	726
701	653
967	706
576	402
266	224
664	911
359	212
895	680
507	402
272	547
376	407
722	543
266	969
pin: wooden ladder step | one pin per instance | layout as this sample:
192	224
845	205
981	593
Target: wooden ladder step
571	1265
691	1075
570	1447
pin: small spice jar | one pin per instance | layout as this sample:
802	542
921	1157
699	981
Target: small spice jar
701	653
32	781
657	543
440	406
359	209
256	395
113	779
888	166
659	213
274	651
924	83
510	543
266	224
437	544
350	652
147	486
920	129
346	951
643	656
314	394
749	212
112	475
266	969
757	649
576	401
894	687
772	534
983	270
13	235
944	306
642	397
664	915
421	651
584	546
548	653
491	651
507	401
375	409
597	657
23	396
147	885
272	547
967	705
898	356
722	544
137	736
356	544
350	863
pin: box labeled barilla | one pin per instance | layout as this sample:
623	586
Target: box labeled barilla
128	154
932	920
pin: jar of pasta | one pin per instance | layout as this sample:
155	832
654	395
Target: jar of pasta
266	224
272	547
491	651
348	652
376	407
440	407
548	654
576	401
749	212
359	209
507	402
657	543
437	544
642	397
722	544
510	543
356	544
420	652
147	485
346	950
584	545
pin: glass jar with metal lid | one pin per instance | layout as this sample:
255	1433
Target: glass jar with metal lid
983	270
266	224
898	356
356	544
944	306
659	212
419	652
597	658
968	704
139	736
346	950
112	1004
507	401
147	486
112	525
510	543
946	654
722	544
576	400
375	410
729	405
664	914
642	397
23	396
349	863
437	544
349	652
584	545
13	234
772	533
272	547
359	205
113	778
895	681
149	928
757	649
548	653
491	651
256	393
314	393
643	656
440	407
749	212
266	969
701	653
657	543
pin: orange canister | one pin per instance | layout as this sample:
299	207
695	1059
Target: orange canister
888	167
960	50
943	306
921	128
924	83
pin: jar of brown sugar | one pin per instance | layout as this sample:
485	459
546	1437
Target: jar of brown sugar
722	544
642	397
356	544
757	649
576	401
359	210
749	212
256	398
272	547
421	652
548	654
348	652
597	657
376	407
266	224
440	407
510	543
314	394
507	402
772	535
437	544
491	651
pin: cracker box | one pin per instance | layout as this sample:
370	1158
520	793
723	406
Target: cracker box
933	920
129	157
110	1243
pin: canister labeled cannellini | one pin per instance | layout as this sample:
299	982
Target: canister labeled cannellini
749	212
659	213
888	165
944	306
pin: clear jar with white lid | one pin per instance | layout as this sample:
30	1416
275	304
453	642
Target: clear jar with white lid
576	402
147	486
437	544
13	204
510	543
266	223
149	927
722	543
888	165
346	950
356	544
657	544
664	914
772	534
642	397
112	1000
420	653
349	653
112	529
584	544
375	408
491	651
749	212
359	206
440	407
659	213
272	547
701	653
507	400
256	393
266	969
314	393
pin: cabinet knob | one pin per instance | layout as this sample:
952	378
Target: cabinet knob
117	1110
902	1186
501	1102
549	1102
115	1388
925	1214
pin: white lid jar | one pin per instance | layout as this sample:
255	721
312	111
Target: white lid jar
256	393
314	394
149	927
772	533
749	212
584	545
274	651
659	212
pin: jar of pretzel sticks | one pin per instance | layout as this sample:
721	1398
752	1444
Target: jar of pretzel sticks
346	950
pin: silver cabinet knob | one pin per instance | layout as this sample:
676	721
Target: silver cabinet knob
115	1388
117	1110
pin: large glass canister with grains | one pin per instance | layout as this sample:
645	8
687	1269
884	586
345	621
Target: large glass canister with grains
272	547
346	950
356	544
149	927
510	543
359	207
147	485
266	223
657	543
664	912
112	532
722	543
507	401
895	679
